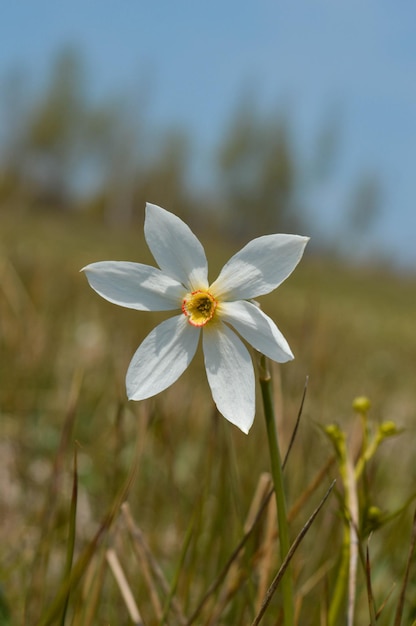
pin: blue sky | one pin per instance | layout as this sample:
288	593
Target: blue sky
358	57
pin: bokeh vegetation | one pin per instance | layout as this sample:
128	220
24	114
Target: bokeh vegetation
72	173
65	148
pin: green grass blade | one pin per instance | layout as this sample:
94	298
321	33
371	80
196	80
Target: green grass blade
84	559
400	607
71	534
288	558
172	590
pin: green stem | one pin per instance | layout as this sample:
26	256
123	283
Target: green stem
277	475
338	597
340	590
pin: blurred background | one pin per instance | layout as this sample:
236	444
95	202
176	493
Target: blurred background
244	118
247	118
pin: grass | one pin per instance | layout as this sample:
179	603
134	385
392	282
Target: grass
187	478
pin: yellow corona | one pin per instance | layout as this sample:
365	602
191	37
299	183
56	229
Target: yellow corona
199	307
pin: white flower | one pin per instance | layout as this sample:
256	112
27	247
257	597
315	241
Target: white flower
216	310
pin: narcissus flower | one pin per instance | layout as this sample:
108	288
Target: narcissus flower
214	310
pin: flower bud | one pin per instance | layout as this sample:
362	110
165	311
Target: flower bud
374	518
337	436
388	429
361	404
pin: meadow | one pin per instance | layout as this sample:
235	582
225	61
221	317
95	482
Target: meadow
165	490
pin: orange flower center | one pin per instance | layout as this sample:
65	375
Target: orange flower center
199	307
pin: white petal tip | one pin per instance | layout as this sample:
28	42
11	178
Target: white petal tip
243	426
132	393
135	397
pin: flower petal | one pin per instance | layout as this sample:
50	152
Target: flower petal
134	285
162	357
175	248
258	268
230	375
257	329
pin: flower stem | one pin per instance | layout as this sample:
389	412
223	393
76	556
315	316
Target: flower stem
277	475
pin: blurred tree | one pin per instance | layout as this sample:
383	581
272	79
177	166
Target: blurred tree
55	132
327	145
13	115
113	142
363	209
258	174
267	183
67	151
365	204
61	149
164	181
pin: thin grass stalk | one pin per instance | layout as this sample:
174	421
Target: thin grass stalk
42	553
91	592
277	475
251	523
266	551
234	555
384	603
124	587
400	607
342	578
78	570
145	569
178	571
343	574
71	534
309	490
144	553
354	541
234	578
314	580
250	526
295	430
370	596
280	574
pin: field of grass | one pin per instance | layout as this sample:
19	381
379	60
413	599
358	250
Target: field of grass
166	487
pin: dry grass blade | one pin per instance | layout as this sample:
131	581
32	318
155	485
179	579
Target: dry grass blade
264	485
234	555
233	579
71	532
93	585
384	603
41	557
354	542
141	550
146	558
288	558
87	554
371	604
171	595
400	607
17	295
249	530
77	571
310	489
124	587
312	581
266	555
295	430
